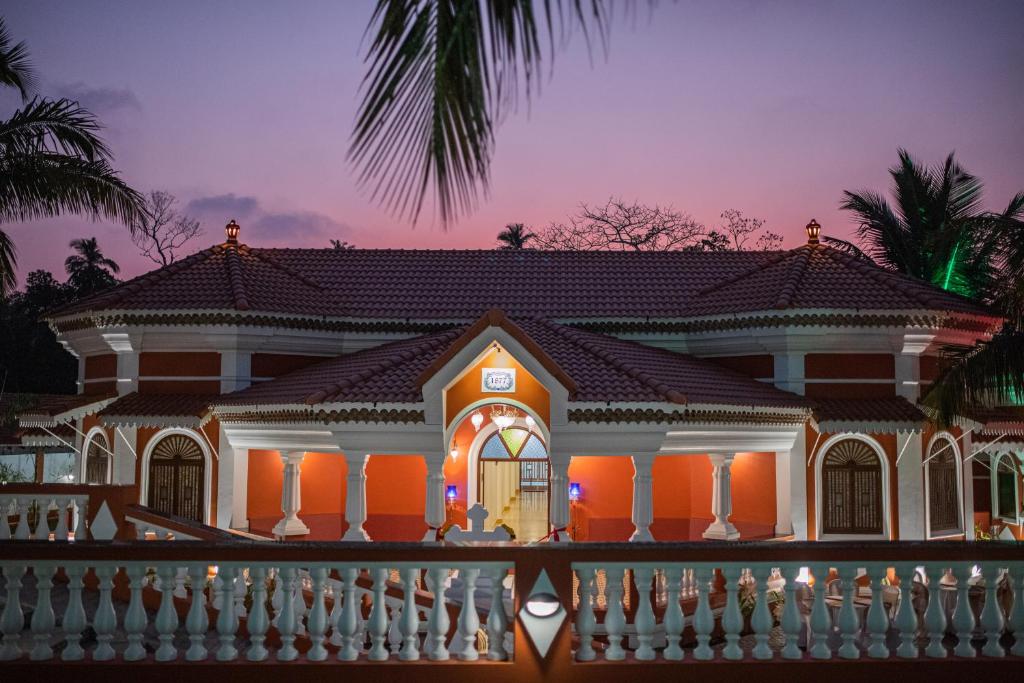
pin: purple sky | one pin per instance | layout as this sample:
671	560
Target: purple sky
243	109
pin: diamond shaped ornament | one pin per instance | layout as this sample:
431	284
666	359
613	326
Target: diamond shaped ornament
539	614
103	527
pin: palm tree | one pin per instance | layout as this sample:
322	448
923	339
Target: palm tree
514	236
440	75
52	160
89	271
939	233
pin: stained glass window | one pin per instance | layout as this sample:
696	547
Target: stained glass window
514	443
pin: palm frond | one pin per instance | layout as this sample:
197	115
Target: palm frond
15	66
8	263
991	373
44	185
847	247
440	74
53	126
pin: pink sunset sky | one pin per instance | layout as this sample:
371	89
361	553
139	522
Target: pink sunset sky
244	109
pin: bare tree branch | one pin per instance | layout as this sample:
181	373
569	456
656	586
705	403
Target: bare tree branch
619	226
161	231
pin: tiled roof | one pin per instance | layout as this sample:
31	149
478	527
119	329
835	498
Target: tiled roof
865	410
138	408
43	406
601	368
456	285
1009	419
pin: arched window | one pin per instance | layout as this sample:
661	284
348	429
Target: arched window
1007	488
852	496
943	489
176	475
524	446
97	460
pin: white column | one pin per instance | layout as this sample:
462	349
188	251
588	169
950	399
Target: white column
559	497
355	498
967	479
783	494
908	365
235	370
124	455
435	512
643	498
291	496
798	486
721	498
910	486
232	485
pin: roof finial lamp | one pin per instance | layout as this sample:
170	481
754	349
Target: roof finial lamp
231	230
813	230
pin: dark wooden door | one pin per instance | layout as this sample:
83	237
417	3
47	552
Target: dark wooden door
176	477
851	479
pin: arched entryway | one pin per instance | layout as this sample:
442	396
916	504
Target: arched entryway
513	480
942	478
177	476
97	458
852	489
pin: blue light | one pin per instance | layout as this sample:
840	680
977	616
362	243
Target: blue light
451	492
575	491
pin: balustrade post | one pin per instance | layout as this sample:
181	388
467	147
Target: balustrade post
878	617
906	617
673	619
21	532
935	614
469	621
318	616
821	621
6	503
167	615
61	533
42	531
286	616
849	624
81	521
732	618
991	613
74	616
378	622
1016	624
791	619
12	621
258	621
761	619
585	620
135	617
196	622
963	615
227	623
348	623
105	619
43	619
703	618
497	620
409	625
438	623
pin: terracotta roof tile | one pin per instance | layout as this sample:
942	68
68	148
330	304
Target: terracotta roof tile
602	368
456	285
890	409
135	405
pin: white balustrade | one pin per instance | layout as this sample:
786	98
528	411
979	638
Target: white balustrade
764	610
26	506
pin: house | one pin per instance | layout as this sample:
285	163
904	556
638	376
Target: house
363	394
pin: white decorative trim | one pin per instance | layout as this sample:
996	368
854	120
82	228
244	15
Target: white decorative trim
92	434
886	498
207	466
957	457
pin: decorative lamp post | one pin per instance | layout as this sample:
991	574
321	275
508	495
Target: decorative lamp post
575	493
231	230
813	230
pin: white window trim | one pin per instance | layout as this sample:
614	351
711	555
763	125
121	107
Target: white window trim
207	469
819	458
944	436
93	433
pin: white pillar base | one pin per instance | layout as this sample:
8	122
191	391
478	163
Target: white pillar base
291	497
290	527
356	534
721	529
721	532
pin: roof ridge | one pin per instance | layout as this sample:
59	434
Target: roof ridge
578	337
775	260
233	263
794	276
267	258
427	343
892	281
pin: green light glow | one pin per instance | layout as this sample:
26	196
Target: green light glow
949	268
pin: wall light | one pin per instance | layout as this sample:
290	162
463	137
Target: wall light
575	491
454	452
477	420
543	605
530	423
451	492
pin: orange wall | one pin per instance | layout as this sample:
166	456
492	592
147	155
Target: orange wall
172	386
275	364
849	366
396	485
104	365
761	366
322	483
467	390
853	390
173	364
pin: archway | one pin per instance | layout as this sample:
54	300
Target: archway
852	488
943	488
176	475
97	458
